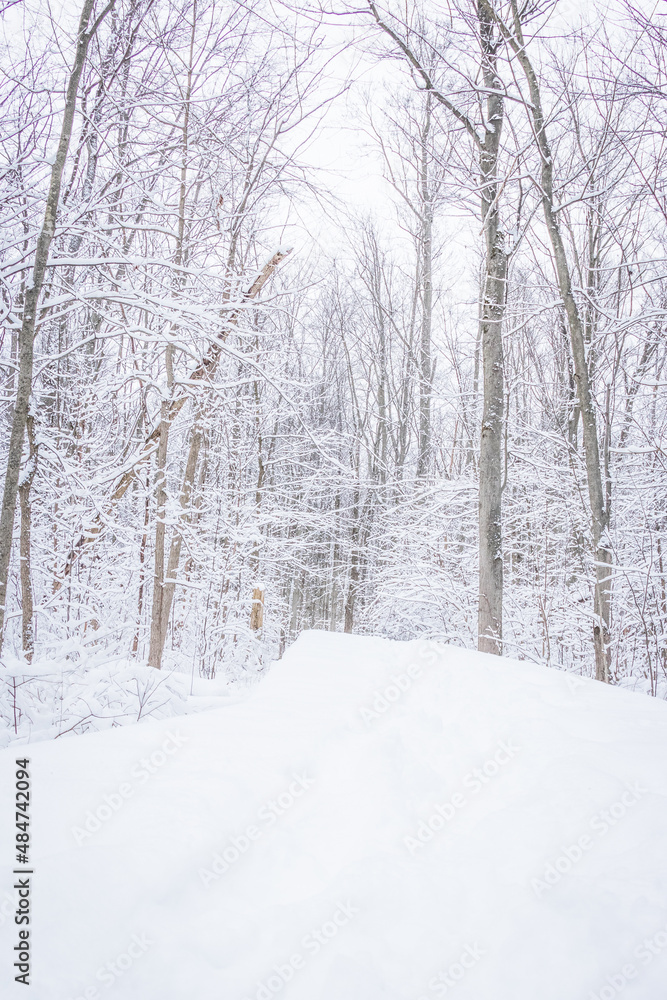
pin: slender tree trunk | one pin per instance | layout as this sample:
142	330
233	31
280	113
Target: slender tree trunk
353	583
257	607
425	364
27	603
598	494
156	640
161	603
490	607
380	451
142	570
159	626
353	576
33	291
492	310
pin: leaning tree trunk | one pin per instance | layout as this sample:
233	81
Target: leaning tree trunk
32	294
490	606
201	373
598	492
160	615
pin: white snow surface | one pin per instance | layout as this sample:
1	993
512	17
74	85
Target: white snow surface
542	874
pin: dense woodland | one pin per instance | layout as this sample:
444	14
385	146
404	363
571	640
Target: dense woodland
238	403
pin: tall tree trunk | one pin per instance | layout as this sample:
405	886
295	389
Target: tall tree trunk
156	640
27	603
425	370
489	618
142	570
490	607
161	604
257	606
352	585
33	291
160	621
355	558
598	493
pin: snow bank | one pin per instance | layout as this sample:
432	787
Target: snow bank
75	690
375	821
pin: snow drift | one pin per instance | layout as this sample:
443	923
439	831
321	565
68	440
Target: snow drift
375	821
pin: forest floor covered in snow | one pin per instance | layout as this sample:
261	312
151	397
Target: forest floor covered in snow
374	820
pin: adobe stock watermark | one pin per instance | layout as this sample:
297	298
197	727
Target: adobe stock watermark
601	823
267	815
311	944
645	953
114	970
398	685
474	781
142	772
444	982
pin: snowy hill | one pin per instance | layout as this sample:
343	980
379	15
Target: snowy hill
375	821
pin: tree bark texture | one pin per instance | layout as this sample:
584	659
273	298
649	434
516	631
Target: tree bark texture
490	604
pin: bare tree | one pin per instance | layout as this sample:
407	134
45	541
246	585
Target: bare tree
598	494
493	296
86	31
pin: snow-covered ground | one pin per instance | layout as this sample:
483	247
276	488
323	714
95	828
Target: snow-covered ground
71	689
374	821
